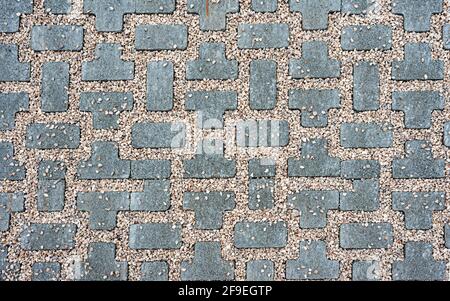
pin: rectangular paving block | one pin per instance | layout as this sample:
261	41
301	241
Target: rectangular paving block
366	135
366	236
160	76
57	37
54	87
39	237
263	84
260	235
150	169
53	136
264	6
366	37
366	86
161	37
158	135
259	36
155	236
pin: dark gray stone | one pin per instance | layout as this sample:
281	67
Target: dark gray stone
315	161
46	271
417	13
150	169
104	163
10	105
261	168
418	107
212	63
447	236
446	36
101	264
366	135
314	206
364	197
261	193
54	87
11	69
360	169
366	86
106	107
51	185
155	6
155	271
313	263
262	133
260	235
11	12
315	12
314	105
212	13
57	38
8	270
418	64
209	207
10	169
260	270
419	264
155	236
53	136
315	62
264	6
40	237
155	197
418	162
10	203
366	236
58	7
161	37
366	270
418	207
103	207
109	13
366	37
263	84
207	264
260	36
160	76
107	65
447	134
358	7
158	135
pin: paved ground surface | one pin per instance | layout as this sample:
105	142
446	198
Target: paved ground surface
224	139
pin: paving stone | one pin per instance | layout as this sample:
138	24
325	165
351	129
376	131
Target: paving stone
161	37
160	76
418	207
46	271
57	38
51	186
447	236
109	13
101	264
260	235
8	270
40	237
366	236
366	37
155	271
58	7
366	270
11	70
418	107
263	84
260	36
261	168
418	162
10	105
366	135
10	203
155	6
366	86
150	169
212	63
155	197
262	133
106	107
207	264
155	236
107	65
209	207
419	264
260	270
360	169
364	197
315	161
417	13
314	206
212	14
315	62
261	193
358	7
211	106
314	105
53	136
313	263
447	134
103	207
54	87
315	12
446	36
158	135
264	6
10	169
418	64
11	12
104	163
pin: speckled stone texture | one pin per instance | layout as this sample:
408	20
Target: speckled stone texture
260	140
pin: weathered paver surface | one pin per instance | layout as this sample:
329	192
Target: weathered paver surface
254	140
